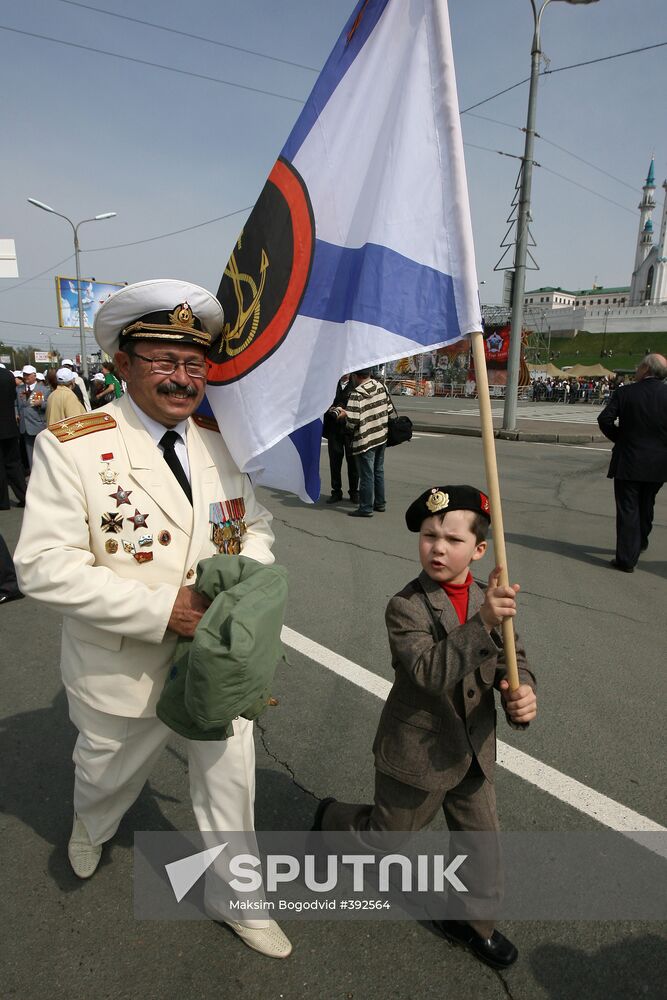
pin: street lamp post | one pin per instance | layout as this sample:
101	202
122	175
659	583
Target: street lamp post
603	352
523	215
77	251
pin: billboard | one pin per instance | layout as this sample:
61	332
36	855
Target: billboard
8	265
94	293
496	352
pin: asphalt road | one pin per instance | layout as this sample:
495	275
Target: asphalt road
595	637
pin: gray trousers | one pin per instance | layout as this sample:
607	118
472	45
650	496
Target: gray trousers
468	807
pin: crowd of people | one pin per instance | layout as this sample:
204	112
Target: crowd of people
574	390
35	399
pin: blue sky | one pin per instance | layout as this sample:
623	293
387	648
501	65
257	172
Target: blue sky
88	133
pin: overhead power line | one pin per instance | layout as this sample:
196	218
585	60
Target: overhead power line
561	69
154	65
175	232
590	190
543	138
25	281
563	177
187	34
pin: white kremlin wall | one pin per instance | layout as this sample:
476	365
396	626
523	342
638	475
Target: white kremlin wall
567	322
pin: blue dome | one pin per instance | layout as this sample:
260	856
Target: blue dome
648	228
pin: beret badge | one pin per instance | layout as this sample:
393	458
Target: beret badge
437	501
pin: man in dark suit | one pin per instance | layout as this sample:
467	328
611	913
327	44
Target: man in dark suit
11	469
339	444
635	419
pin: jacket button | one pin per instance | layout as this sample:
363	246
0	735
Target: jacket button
471	693
190	573
483	652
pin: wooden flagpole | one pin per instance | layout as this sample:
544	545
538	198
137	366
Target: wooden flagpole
493	486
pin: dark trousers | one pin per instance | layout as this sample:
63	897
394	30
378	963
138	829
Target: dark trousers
8	582
469	807
11	471
28	440
339	447
371	479
635	502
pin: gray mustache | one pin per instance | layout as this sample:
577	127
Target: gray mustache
173	389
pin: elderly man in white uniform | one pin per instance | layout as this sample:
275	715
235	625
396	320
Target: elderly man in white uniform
117	518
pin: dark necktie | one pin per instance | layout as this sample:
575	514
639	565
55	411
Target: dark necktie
167	442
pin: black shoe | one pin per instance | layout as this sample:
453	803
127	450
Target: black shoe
359	513
319	814
380	510
624	569
334	498
6	598
644	546
21	503
354	498
495	951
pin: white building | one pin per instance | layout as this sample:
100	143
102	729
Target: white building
640	306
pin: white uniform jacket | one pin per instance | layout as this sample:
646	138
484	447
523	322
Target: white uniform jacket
115	653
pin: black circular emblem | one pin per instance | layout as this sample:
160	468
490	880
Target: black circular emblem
265	279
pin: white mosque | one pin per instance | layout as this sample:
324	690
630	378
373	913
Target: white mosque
639	307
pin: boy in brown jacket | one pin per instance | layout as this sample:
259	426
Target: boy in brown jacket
435	745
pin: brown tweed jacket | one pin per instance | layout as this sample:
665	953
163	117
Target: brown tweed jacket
441	708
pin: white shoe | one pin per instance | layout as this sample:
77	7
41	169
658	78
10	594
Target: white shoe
268	940
84	856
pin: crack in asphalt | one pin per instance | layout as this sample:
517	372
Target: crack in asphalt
343	541
283	763
410	559
584	607
508	992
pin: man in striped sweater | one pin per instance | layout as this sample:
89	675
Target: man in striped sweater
367	417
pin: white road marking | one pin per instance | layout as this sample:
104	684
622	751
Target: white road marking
599	807
549	413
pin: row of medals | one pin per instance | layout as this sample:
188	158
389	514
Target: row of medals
227	525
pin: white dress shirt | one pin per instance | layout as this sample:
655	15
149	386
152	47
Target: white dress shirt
157	431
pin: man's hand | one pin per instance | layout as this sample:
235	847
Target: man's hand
520	705
499	602
187	612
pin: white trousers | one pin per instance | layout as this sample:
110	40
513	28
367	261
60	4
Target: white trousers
113	757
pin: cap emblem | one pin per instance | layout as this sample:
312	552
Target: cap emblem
182	315
437	501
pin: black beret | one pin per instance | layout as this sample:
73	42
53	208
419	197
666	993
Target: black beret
440	499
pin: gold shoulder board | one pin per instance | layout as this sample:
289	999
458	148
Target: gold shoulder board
208	423
76	427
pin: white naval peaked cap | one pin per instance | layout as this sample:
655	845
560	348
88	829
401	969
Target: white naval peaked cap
98	377
1	365
67	361
64	376
41	376
28	370
158	310
17	373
